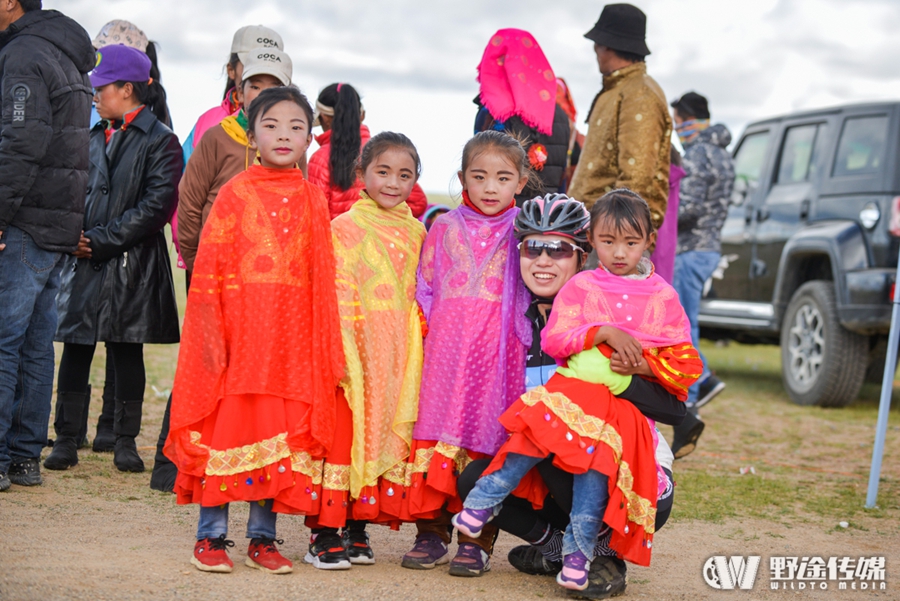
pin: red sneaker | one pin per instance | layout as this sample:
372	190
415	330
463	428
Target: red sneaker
210	555
263	555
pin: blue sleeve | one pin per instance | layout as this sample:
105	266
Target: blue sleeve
188	147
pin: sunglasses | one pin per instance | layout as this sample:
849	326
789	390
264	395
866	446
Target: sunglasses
555	250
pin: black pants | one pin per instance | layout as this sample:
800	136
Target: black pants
519	518
127	363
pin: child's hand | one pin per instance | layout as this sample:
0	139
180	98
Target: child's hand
625	344
619	366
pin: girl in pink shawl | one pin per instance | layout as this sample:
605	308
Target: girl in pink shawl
472	296
635	319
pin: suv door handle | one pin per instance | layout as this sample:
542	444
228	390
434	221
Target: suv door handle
804	209
762	214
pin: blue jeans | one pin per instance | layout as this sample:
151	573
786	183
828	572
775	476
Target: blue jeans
692	269
214	521
29	281
590	495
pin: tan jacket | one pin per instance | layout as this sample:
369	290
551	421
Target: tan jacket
628	142
217	158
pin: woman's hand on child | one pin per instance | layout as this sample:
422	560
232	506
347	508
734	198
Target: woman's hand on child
620	366
84	248
626	345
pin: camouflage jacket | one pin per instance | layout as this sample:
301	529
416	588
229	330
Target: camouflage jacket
705	190
627	143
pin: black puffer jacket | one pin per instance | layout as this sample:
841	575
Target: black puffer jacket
557	146
124	292
46	105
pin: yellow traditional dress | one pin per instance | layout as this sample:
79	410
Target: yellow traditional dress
377	254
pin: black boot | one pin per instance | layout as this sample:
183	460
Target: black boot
69	406
127	427
82	430
687	435
105	440
164	471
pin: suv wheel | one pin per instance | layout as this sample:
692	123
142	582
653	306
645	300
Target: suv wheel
822	363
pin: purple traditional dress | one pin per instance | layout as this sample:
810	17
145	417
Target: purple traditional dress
474	301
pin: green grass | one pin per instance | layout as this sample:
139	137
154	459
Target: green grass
811	463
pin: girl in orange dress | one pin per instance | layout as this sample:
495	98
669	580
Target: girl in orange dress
376	244
254	400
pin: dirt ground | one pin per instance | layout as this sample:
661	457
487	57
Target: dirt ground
94	534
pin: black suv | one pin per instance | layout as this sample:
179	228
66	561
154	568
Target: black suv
810	247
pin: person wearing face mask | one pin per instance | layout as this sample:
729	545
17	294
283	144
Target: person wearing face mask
553	243
704	196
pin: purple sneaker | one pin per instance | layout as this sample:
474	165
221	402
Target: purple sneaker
471	521
428	552
470	561
574	574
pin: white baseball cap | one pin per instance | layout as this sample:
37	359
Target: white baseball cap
251	37
268	61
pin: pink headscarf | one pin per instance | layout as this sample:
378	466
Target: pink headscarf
516	79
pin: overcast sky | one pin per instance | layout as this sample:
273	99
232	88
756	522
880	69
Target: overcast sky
415	62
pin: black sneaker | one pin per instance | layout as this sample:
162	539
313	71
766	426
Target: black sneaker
358	549
26	472
686	435
606	578
4	482
709	388
327	553
528	559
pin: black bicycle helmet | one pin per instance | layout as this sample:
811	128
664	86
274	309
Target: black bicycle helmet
553	214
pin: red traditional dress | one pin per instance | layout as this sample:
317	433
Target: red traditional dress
377	252
584	425
254	394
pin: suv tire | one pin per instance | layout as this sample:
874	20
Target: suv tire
822	363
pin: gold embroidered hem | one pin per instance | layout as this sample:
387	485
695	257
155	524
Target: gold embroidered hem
336	477
575	418
640	510
304	463
245	458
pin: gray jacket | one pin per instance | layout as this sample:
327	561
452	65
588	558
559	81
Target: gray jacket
705	190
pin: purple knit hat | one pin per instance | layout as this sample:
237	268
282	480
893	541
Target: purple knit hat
117	62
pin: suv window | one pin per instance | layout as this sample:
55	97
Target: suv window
749	159
862	145
796	154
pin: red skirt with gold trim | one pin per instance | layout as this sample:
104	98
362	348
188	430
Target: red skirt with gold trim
329	490
427	483
585	427
249	456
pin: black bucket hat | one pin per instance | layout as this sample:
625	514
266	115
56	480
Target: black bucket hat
693	105
622	27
